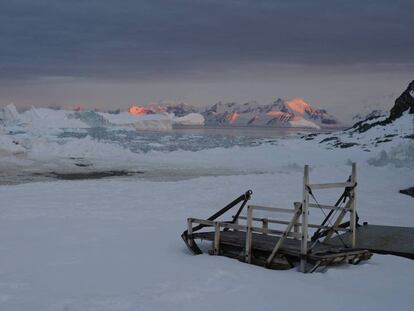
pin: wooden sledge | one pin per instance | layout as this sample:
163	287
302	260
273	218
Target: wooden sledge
253	240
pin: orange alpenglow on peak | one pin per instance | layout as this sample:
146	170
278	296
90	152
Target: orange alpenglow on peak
232	117
298	105
138	111
276	113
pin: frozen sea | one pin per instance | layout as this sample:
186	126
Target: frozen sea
185	138
71	153
114	244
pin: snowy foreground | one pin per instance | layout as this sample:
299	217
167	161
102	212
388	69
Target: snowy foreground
115	244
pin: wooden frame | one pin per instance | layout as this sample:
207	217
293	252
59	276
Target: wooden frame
296	229
349	207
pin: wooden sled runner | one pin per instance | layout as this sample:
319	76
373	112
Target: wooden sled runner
253	239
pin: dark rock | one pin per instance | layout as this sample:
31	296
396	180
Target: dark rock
403	103
345	145
328	139
409	136
383	140
408	191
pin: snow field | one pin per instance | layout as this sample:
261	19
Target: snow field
115	245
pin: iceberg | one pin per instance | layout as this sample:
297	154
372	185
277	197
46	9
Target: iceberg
151	122
9	115
189	119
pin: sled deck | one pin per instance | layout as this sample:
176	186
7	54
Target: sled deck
255	239
381	239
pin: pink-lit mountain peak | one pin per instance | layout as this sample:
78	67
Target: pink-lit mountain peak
299	105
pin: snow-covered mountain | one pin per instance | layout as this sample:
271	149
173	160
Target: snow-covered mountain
393	131
291	113
178	109
377	113
181	109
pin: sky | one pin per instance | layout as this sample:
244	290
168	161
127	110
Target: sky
343	56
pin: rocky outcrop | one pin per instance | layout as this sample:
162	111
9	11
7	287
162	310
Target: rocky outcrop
405	102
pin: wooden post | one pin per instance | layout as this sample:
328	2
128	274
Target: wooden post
216	246
279	243
305	202
352	220
248	251
296	227
265	225
190	239
236	222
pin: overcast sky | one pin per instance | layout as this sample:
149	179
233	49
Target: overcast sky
338	55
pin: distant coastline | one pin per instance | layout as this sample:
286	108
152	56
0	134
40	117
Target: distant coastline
259	127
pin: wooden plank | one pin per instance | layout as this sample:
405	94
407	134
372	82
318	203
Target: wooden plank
285	222
202	221
331	185
272	209
265	225
248	248
296	228
238	227
216	246
276	232
190	239
352	220
304	237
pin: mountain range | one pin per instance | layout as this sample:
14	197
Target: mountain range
281	113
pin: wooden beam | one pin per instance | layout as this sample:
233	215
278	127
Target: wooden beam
286	222
352	220
190	239
240	227
202	221
216	245
272	209
275	232
248	248
331	185
265	225
304	237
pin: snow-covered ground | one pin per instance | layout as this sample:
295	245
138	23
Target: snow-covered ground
114	244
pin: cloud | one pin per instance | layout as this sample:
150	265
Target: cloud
175	39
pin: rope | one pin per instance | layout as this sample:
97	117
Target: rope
326	217
341	200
